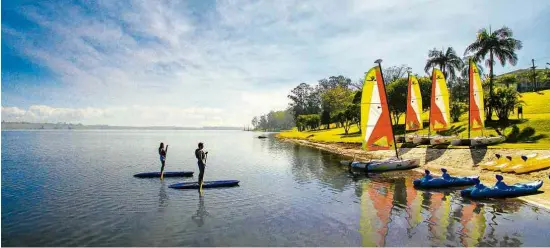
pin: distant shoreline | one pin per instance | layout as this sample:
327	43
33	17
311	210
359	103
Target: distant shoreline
68	126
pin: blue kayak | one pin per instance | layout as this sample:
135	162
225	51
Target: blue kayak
166	174
501	189
205	184
442	182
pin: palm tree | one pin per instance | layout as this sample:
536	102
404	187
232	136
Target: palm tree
499	43
448	62
465	70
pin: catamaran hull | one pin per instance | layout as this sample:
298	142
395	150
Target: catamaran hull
387	165
420	140
441	140
484	141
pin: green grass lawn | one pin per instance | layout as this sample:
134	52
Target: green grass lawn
536	115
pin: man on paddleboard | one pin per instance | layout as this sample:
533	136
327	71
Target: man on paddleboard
201	162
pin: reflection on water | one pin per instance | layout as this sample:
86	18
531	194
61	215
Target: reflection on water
289	195
163	197
198	217
391	207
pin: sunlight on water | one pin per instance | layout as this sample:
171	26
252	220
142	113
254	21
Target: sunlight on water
75	188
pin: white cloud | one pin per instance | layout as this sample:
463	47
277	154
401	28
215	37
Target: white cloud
238	57
128	116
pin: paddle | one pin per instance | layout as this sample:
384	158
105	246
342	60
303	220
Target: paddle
162	170
200	186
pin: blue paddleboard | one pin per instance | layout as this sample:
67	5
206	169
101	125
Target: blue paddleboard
205	184
166	174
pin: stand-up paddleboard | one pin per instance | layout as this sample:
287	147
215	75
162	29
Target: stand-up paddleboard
166	174
206	184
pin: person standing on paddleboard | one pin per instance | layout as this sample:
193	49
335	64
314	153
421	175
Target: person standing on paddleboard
201	162
162	153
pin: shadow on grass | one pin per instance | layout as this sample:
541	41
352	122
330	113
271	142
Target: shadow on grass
478	154
434	153
350	135
525	135
454	130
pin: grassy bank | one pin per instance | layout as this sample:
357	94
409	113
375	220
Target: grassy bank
536	115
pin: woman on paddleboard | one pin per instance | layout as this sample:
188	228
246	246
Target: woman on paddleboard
162	153
201	162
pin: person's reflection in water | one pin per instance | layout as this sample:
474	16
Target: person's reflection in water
163	197
198	218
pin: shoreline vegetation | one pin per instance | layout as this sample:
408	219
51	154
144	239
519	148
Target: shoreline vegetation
70	126
459	162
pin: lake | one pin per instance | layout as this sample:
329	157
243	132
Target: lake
75	188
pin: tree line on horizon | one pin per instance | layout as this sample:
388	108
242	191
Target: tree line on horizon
336	99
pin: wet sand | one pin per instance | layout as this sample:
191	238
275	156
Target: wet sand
459	162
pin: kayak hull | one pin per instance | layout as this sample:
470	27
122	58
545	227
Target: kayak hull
166	174
440	182
518	189
206	184
386	165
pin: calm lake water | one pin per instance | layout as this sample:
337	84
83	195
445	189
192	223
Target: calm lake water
75	188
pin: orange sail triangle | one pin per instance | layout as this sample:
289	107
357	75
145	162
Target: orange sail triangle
476	99
377	130
413	120
439	108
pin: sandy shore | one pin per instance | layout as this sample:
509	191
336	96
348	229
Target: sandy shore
459	162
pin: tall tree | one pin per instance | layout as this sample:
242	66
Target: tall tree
393	73
304	100
337	100
500	44
448	62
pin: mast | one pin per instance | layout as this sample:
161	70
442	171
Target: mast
378	61
406	104
430	113
469	94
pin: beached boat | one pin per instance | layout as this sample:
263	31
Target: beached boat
376	123
501	189
440	118
531	164
512	160
386	165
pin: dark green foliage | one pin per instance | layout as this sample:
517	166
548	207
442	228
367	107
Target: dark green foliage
505	100
325	118
397	97
457	109
305	122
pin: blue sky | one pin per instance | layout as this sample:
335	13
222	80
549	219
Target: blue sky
195	63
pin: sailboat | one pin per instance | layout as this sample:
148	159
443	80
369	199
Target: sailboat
413	119
440	116
376	123
476	112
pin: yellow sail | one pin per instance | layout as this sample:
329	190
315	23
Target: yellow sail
477	114
413	121
376	126
439	110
